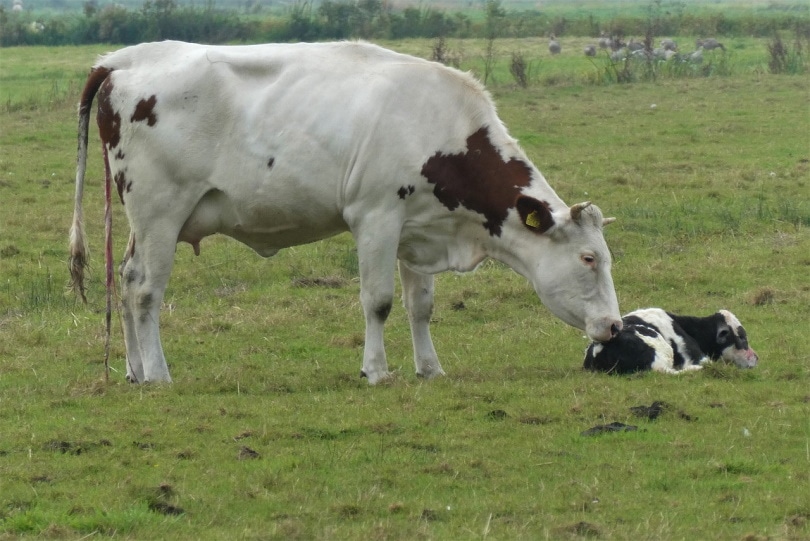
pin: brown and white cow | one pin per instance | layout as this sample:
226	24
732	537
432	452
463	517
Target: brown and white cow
285	144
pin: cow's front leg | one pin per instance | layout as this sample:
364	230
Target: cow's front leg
377	257
144	276
417	295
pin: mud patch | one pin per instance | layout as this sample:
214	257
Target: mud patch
348	511
246	453
657	408
331	282
580	529
9	251
74	447
531	420
143	446
161	499
612	427
166	508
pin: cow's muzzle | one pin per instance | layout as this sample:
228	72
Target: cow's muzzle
603	329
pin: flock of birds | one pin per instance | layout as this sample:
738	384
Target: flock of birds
619	50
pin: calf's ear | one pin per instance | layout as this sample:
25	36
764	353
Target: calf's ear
535	215
723	334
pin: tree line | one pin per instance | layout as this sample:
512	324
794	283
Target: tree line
368	19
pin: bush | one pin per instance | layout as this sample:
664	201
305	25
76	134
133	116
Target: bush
784	59
518	69
343	19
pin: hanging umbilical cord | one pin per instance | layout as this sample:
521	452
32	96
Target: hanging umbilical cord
108	263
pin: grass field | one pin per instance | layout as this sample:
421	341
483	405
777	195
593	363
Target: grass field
269	433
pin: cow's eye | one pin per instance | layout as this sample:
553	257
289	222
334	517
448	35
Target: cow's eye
588	259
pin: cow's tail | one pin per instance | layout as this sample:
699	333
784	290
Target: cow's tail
78	243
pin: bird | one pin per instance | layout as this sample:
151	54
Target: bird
554	45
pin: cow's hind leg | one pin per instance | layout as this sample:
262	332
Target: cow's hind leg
144	276
417	295
134	361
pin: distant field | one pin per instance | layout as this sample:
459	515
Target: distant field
32	77
269	433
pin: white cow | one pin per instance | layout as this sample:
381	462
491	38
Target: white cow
285	144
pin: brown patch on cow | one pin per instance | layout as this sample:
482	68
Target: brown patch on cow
121	183
145	110
109	121
479	180
131	247
270	163
405	191
119	155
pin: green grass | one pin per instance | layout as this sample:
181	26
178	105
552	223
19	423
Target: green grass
711	193
36	77
743	56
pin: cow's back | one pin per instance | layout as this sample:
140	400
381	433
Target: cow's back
288	136
336	87
350	101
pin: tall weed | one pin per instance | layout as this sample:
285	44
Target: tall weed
783	58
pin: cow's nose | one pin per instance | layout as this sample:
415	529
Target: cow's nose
603	329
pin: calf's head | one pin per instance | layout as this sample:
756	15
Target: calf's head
732	341
565	256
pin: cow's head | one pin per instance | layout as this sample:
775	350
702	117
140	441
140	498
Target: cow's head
732	341
561	251
564	254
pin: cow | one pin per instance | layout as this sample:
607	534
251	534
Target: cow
280	145
653	339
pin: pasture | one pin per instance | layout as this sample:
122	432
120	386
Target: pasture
269	433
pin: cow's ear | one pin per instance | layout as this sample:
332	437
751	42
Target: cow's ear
535	215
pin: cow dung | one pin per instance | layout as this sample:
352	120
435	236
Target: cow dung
612	427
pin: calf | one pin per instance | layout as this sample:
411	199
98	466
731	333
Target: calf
653	339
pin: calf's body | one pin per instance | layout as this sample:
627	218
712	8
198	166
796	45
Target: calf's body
653	339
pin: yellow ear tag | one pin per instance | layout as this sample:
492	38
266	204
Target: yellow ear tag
533	220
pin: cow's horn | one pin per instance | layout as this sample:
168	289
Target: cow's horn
608	221
576	210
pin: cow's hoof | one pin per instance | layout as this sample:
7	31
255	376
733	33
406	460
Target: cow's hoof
376	379
430	374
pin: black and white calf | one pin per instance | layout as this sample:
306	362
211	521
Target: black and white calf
653	339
